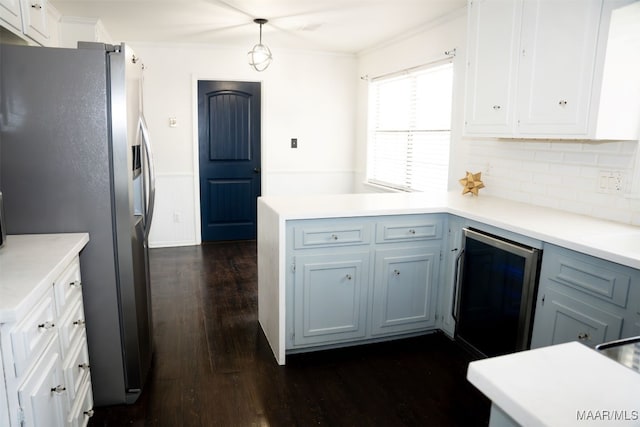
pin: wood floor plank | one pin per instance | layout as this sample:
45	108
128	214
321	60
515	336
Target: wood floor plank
213	366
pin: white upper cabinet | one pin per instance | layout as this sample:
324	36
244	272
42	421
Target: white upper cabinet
494	31
10	14
34	20
551	69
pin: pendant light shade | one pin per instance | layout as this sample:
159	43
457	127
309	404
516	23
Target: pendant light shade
260	56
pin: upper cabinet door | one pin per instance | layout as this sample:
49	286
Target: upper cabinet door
562	69
558	52
493	40
34	20
10	13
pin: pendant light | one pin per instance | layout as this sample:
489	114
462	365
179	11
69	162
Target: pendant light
260	55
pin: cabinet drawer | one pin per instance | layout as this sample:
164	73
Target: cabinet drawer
30	336
76	366
71	326
82	408
43	395
599	278
402	230
339	234
68	285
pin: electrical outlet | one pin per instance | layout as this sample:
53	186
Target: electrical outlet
611	182
294	142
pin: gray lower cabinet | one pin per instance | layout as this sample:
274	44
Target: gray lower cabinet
330	297
405	289
583	298
361	278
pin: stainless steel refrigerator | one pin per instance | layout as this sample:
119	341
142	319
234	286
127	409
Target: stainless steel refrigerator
75	157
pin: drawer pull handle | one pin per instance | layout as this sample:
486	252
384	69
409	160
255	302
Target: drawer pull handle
334	237
348	277
412	231
562	102
76	284
584	336
58	389
396	273
46	325
79	322
89	413
496	107
36	6
83	366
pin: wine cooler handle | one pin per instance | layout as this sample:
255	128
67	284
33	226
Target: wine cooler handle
455	303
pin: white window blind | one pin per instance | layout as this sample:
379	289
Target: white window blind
409	129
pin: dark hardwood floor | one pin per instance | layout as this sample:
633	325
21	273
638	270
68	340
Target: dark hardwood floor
213	366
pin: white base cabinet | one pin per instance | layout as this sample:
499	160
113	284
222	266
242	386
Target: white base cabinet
45	363
358	279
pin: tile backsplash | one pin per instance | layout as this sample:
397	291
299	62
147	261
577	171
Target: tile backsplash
565	175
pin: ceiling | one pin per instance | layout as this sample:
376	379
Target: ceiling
348	26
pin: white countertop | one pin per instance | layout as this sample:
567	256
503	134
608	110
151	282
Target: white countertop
556	385
609	240
28	265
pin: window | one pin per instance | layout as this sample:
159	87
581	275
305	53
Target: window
409	129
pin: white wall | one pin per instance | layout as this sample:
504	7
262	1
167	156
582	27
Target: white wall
305	95
557	174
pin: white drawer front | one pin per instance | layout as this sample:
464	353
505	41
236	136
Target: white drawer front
31	335
68	286
43	395
76	366
71	326
82	408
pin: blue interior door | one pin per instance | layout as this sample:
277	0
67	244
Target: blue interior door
229	140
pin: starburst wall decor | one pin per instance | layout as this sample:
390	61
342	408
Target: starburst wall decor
471	183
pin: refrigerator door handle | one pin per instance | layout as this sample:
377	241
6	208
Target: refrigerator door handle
151	174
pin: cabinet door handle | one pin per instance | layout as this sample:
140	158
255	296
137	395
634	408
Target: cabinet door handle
412	231
36	6
83	366
89	413
75	284
496	107
46	325
562	102
58	389
396	273
348	277
79	322
334	237
584	336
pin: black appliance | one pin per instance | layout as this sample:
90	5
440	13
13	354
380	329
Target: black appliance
494	294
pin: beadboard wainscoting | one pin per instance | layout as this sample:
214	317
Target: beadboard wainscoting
174	216
559	174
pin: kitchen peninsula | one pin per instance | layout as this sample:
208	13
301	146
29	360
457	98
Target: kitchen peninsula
358	222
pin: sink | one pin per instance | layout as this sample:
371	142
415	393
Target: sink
625	352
